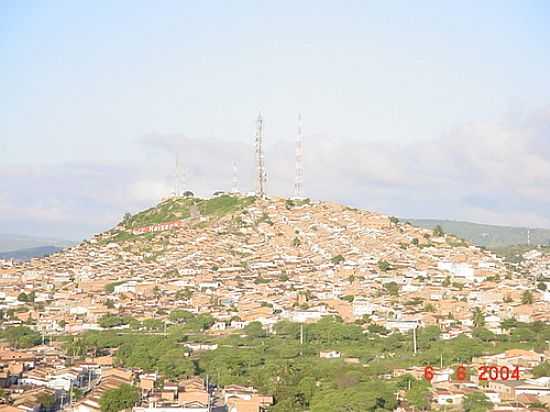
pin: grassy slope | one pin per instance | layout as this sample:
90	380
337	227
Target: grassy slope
179	208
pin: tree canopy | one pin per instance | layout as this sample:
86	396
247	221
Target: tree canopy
123	397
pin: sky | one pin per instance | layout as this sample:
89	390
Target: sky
432	110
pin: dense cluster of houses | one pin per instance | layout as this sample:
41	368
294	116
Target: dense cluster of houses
28	377
273	260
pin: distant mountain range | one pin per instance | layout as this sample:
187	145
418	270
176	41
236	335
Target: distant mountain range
10	242
26	254
490	236
21	247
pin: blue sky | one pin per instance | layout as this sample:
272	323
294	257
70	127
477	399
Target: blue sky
98	96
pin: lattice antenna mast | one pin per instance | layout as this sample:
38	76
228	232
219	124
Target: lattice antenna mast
235	188
299	181
261	176
179	178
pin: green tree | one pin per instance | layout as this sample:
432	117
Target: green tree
384	265
115	400
483	334
419	395
527	298
23	297
509	323
184	294
368	396
392	288
111	321
126	218
476	402
541	286
429	308
21	337
255	330
180	316
542	370
478	317
438	231
47	401
336	260
306	390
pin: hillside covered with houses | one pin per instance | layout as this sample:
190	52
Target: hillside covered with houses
338	285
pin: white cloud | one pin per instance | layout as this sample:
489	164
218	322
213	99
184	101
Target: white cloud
486	172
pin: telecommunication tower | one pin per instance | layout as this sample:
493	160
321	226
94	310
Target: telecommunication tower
299	180
261	175
179	178
235	188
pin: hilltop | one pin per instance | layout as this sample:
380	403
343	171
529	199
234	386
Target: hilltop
230	230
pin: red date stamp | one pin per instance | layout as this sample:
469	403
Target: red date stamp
461	373
486	373
496	373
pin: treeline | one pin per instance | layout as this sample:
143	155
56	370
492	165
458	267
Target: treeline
276	363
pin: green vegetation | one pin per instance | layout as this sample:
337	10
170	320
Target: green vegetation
527	298
180	208
336	260
438	231
21	337
392	288
123	397
111	321
290	203
478	317
542	370
110	287
490	236
476	402
46	400
418	396
27	298
384	265
294	374
514	253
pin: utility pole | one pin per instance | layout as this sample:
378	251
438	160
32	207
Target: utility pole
414	340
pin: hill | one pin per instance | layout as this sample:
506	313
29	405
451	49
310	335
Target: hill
238	242
490	236
29	253
12	242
